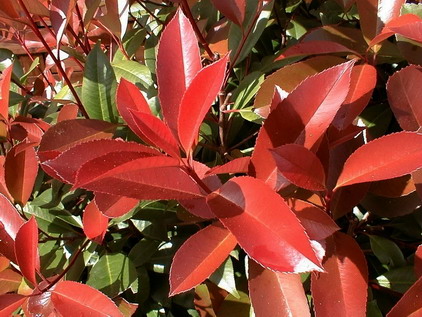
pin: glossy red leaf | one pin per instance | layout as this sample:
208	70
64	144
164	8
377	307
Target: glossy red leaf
342	289
10	222
300	166
82	300
125	174
67	164
178	62
418	262
212	246
411	302
301	118
317	223
40	304
69	133
238	165
114	206
9	303
276	294
389	162
130	98
314	48
26	250
21	168
94	223
60	12
68	112
362	83
405	97
4	93
264	225
233	10
9	281
156	132
197	101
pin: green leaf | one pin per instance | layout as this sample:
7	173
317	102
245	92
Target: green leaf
142	251
387	252
99	87
399	279
134	72
223	277
247	89
34	64
112	274
52	258
5	58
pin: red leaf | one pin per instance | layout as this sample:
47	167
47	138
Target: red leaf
69	133
82	300
315	47
21	168
9	303
389	162
342	290
418	262
68	112
4	91
362	84
26	250
300	166
411	302
317	223
264	225
178	62
417	178
125	174
301	118
60	13
68	163
10	222
405	97
114	206
94	223
197	101
129	97
276	294
233	10
156	133
238	165
212	246
9	281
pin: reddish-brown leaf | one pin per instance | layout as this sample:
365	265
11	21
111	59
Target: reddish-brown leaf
405	97
233	10
21	168
302	117
68	112
342	289
264	225
69	133
60	12
10	222
26	250
317	223
155	132
125	174
178	62
9	303
300	166
4	93
67	164
418	262
94	223
411	302
276	294
238	165
362	83
129	97
417	179
396	155
9	281
197	101
212	246
114	206
314	48
82	300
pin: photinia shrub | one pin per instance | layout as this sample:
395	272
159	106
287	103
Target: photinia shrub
211	158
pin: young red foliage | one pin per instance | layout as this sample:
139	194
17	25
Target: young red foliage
82	300
233	10
26	250
418	262
342	289
4	93
178	62
411	302
276	294
10	281
94	223
212	246
315	47
114	206
255	214
10	222
9	303
238	165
